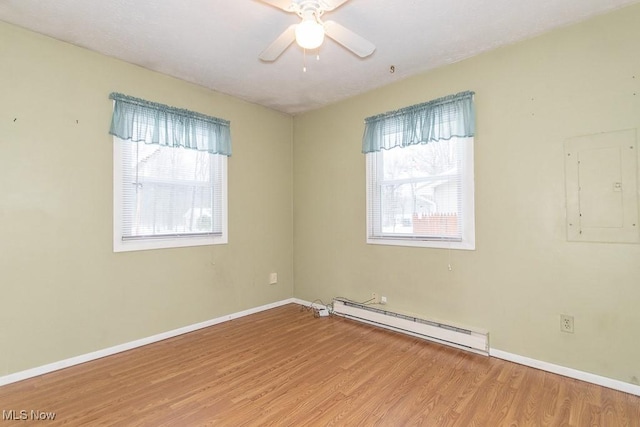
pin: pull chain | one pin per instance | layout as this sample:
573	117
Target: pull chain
304	61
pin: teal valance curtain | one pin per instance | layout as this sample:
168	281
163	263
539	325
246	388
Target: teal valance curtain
139	120
444	118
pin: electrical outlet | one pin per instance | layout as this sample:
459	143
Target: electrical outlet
273	278
566	323
375	298
383	299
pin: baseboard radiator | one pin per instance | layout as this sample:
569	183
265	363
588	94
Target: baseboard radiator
465	339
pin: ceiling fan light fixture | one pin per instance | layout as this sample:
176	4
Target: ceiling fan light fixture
309	34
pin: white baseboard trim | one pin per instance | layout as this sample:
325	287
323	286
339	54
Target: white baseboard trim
41	370
522	360
567	372
543	366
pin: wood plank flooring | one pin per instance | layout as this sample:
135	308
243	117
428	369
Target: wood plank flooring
283	367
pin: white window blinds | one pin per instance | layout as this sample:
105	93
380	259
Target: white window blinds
170	192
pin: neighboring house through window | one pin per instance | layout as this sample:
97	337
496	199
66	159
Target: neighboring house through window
420	185
170	176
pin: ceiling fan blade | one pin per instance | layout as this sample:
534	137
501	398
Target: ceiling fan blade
349	39
286	5
275	49
333	4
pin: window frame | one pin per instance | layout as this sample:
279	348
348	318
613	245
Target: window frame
161	242
376	236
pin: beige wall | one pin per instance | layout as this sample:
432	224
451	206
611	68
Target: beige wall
530	97
63	290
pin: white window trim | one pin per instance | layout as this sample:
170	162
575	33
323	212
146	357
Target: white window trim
468	241
120	245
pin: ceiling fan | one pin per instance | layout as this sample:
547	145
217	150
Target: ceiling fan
309	33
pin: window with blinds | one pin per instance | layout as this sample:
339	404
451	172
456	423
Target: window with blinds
420	184
169	176
422	195
169	196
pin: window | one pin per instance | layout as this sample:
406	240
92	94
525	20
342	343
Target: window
169	193
420	185
168	197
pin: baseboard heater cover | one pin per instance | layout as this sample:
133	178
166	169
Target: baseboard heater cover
465	339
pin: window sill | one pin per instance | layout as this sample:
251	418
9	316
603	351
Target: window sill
469	245
155	243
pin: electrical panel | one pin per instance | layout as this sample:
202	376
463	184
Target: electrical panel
602	187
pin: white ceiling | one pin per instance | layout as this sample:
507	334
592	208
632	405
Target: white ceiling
216	43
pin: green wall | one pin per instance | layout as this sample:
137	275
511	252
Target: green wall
530	97
64	292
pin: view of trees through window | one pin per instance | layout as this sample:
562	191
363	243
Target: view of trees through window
420	189
169	191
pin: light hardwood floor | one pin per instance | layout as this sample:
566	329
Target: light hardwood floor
284	367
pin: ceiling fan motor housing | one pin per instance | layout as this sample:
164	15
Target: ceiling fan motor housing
309	9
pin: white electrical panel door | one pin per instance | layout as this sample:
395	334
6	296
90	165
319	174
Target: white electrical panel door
602	187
